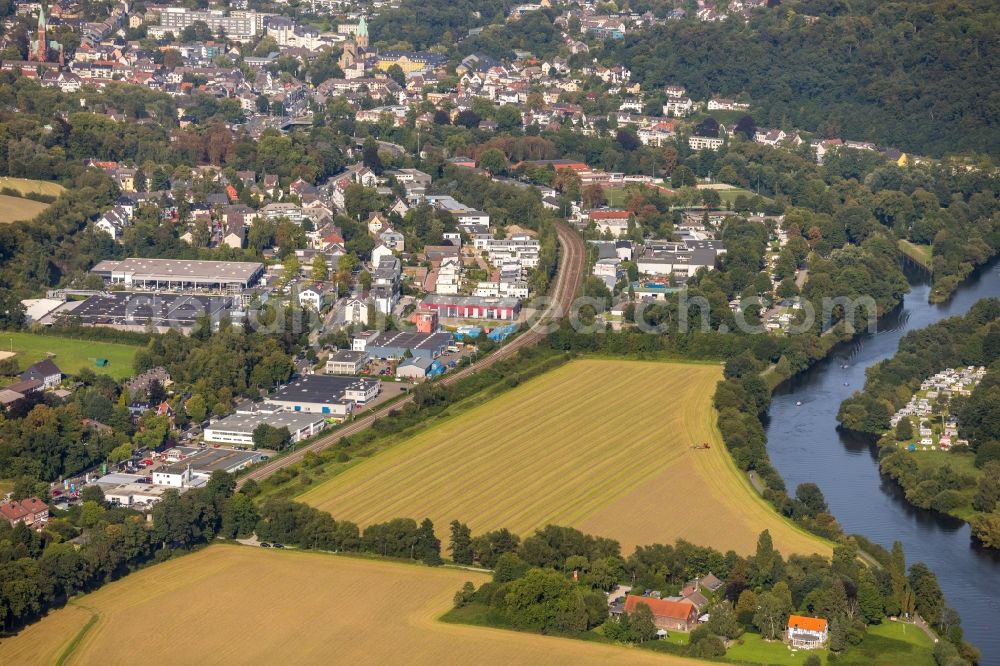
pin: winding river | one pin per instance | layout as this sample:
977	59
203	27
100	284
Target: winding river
805	445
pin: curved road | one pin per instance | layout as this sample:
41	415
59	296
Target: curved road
569	277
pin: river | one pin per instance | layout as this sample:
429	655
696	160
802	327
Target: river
805	445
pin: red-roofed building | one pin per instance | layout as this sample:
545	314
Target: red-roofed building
609	214
669	615
806	632
32	511
611	220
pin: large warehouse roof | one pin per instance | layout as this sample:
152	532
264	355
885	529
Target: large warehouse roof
410	340
181	269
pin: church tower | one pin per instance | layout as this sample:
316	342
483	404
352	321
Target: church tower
39	47
361	38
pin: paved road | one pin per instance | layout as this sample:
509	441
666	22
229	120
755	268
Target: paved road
569	277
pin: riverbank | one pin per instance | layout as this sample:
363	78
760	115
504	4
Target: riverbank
921	255
805	445
914	405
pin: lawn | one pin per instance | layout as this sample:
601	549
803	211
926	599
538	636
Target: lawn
891	643
239	605
886	644
729	193
16	209
601	445
922	254
69	354
752	649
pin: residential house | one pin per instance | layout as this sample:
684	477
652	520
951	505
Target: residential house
316	297
806	633
32	511
611	220
696	142
45	372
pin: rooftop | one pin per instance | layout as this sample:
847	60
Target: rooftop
247	423
409	340
131	308
322	388
166	269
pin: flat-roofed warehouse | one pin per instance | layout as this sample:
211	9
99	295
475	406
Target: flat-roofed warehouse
138	311
179	273
395	344
334	395
238	428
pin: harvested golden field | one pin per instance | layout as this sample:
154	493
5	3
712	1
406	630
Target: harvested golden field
239	605
28	186
604	446
16	209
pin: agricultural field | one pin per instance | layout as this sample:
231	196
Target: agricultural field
16	209
28	186
604	446
70	355
301	608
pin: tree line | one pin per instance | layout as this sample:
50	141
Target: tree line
556	581
94	543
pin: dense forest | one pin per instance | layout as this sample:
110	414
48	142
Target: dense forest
911	75
965	481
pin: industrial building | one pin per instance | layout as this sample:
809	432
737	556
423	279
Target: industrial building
395	344
139	311
193	470
180	274
473	307
332	395
346	362
419	368
239	428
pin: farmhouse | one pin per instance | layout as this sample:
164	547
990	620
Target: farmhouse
805	632
346	362
325	394
32	511
238	428
669	615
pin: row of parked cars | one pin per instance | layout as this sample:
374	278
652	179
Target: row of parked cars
265	544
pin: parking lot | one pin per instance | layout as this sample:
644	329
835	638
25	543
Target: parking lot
390	389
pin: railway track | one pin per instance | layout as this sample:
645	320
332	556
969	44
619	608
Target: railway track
569	277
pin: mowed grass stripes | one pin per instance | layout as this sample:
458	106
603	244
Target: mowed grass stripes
600	445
